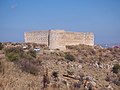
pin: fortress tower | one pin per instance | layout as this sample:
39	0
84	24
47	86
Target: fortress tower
58	39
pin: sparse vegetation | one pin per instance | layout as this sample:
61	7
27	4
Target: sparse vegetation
31	67
31	54
76	86
116	68
1	46
1	67
65	70
70	72
25	60
55	74
12	56
69	56
14	53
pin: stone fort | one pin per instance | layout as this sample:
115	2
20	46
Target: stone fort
59	39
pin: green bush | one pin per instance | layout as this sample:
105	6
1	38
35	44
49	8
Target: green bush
1	46
14	53
12	56
116	68
17	50
69	56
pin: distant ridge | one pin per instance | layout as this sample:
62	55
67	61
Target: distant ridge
110	45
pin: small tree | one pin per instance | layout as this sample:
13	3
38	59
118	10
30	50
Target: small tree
116	68
29	66
55	74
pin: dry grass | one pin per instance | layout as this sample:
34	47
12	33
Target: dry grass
13	76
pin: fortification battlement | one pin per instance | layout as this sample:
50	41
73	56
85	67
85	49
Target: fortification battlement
58	39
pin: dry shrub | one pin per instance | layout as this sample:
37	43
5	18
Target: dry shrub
55	74
18	50
1	46
69	56
76	86
29	66
70	72
31	54
25	60
1	67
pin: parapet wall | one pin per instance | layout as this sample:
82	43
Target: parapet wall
73	38
58	39
40	37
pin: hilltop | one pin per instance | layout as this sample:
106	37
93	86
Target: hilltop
80	67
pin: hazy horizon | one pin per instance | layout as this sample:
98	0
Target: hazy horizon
102	17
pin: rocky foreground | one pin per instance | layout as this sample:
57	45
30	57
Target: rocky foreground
78	68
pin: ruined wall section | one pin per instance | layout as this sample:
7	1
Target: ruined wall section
57	39
89	38
74	38
40	37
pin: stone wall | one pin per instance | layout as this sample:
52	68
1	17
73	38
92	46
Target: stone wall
58	39
89	39
40	37
74	38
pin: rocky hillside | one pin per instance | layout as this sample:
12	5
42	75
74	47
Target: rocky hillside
80	67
